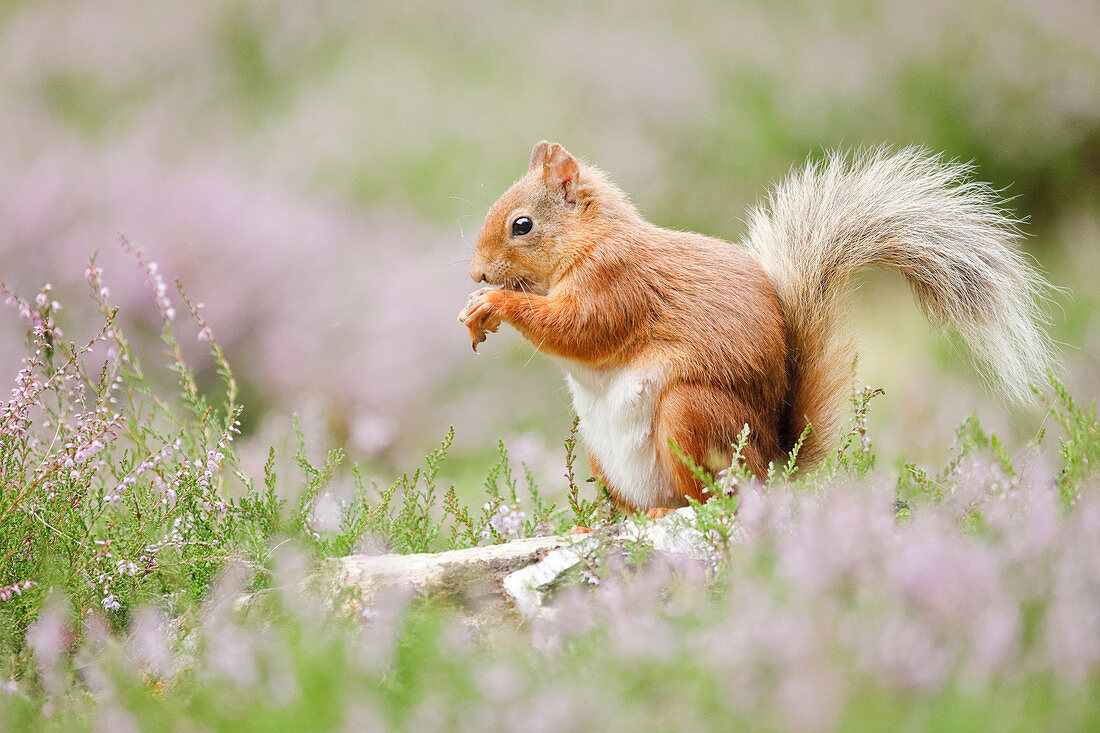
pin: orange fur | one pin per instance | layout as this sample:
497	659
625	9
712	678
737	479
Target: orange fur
682	337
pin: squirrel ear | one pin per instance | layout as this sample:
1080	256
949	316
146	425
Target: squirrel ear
538	154
560	170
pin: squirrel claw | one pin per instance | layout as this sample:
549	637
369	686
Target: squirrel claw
479	317
477	335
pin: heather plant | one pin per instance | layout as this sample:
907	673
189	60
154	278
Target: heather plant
841	597
112	494
406	517
116	494
411	515
854	453
828	612
583	510
1080	445
587	513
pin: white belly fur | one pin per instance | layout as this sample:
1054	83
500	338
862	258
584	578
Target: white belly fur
618	411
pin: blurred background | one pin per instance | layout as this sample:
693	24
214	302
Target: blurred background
316	172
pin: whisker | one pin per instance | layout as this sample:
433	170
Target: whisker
532	357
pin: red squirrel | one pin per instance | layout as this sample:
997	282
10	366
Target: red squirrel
669	336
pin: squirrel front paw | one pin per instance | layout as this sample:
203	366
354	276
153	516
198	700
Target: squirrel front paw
479	315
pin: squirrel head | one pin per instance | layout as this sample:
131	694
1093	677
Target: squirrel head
524	243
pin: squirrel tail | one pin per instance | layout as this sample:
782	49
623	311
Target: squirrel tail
923	216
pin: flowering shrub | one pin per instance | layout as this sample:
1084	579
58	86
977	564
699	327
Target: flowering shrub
110	493
844	598
976	610
115	494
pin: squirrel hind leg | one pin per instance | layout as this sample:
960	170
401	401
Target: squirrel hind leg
704	422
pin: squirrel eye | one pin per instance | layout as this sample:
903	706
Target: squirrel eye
521	226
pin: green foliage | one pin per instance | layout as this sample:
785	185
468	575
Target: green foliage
317	478
463	531
414	524
1080	447
584	511
115	495
791	466
111	495
700	474
156	511
855	453
738	472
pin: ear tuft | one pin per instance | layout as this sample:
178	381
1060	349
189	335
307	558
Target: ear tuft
538	154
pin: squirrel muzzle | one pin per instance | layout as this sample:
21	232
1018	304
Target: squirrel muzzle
477	272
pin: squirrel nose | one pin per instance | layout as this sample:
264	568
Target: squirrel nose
477	273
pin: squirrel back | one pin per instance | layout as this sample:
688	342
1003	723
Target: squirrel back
912	212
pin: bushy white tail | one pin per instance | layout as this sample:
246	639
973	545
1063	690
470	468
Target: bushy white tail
923	216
